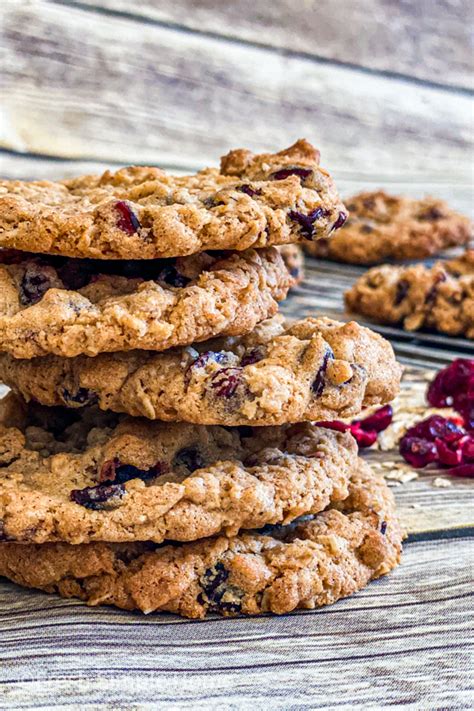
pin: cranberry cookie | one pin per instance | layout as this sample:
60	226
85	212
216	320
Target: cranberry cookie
440	298
73	306
315	369
142	213
383	227
89	476
306	565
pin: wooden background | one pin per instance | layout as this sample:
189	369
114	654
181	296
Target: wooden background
385	89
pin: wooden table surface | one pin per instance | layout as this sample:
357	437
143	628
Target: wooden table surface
385	89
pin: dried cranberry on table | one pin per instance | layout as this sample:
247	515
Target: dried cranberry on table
364	431
454	387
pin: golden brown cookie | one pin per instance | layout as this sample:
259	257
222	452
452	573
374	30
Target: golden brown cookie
439	298
314	369
73	306
91	476
142	213
306	565
385	227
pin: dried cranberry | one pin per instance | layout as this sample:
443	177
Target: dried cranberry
79	398
119	473
383	528
306	222
170	275
436	427
341	218
36	281
401	291
284	173
454	386
251	356
448	455
97	497
418	452
433	213
226	381
318	383
465	470
467	448
378	420
333	425
189	457
364	438
127	220
213	584
202	360
366	229
248	190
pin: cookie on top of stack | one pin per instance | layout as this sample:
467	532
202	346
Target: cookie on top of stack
159	448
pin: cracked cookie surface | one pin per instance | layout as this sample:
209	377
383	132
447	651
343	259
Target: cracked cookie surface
143	213
439	298
91	476
68	307
305	565
385	227
314	369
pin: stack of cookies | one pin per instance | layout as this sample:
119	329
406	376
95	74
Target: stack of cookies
159	449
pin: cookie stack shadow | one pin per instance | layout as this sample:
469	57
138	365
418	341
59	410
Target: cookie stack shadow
170	443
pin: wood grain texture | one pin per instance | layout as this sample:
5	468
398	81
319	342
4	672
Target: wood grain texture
425	40
85	85
402	642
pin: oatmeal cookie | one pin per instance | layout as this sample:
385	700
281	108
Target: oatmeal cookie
90	476
142	213
439	298
385	227
71	306
307	565
315	369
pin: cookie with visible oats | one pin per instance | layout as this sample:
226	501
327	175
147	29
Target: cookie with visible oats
385	227
81	476
306	565
439	298
72	306
315	369
143	213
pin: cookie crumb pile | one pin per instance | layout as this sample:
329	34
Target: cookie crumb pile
160	448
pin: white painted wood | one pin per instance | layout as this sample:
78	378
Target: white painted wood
86	85
425	40
404	641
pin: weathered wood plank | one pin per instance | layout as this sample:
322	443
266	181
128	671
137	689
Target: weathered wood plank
86	85
403	641
426	40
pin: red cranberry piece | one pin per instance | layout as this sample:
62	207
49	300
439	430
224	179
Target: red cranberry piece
401	291
306	222
433	213
119	473
248	190
436	427
431	295
383	528
341	218
226	381
418	452
454	386
252	356
302	173
127	220
467	448
447	455
378	420
170	275
318	383
214	586
79	398
466	470
37	280
97	497
364	438
333	425
203	359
